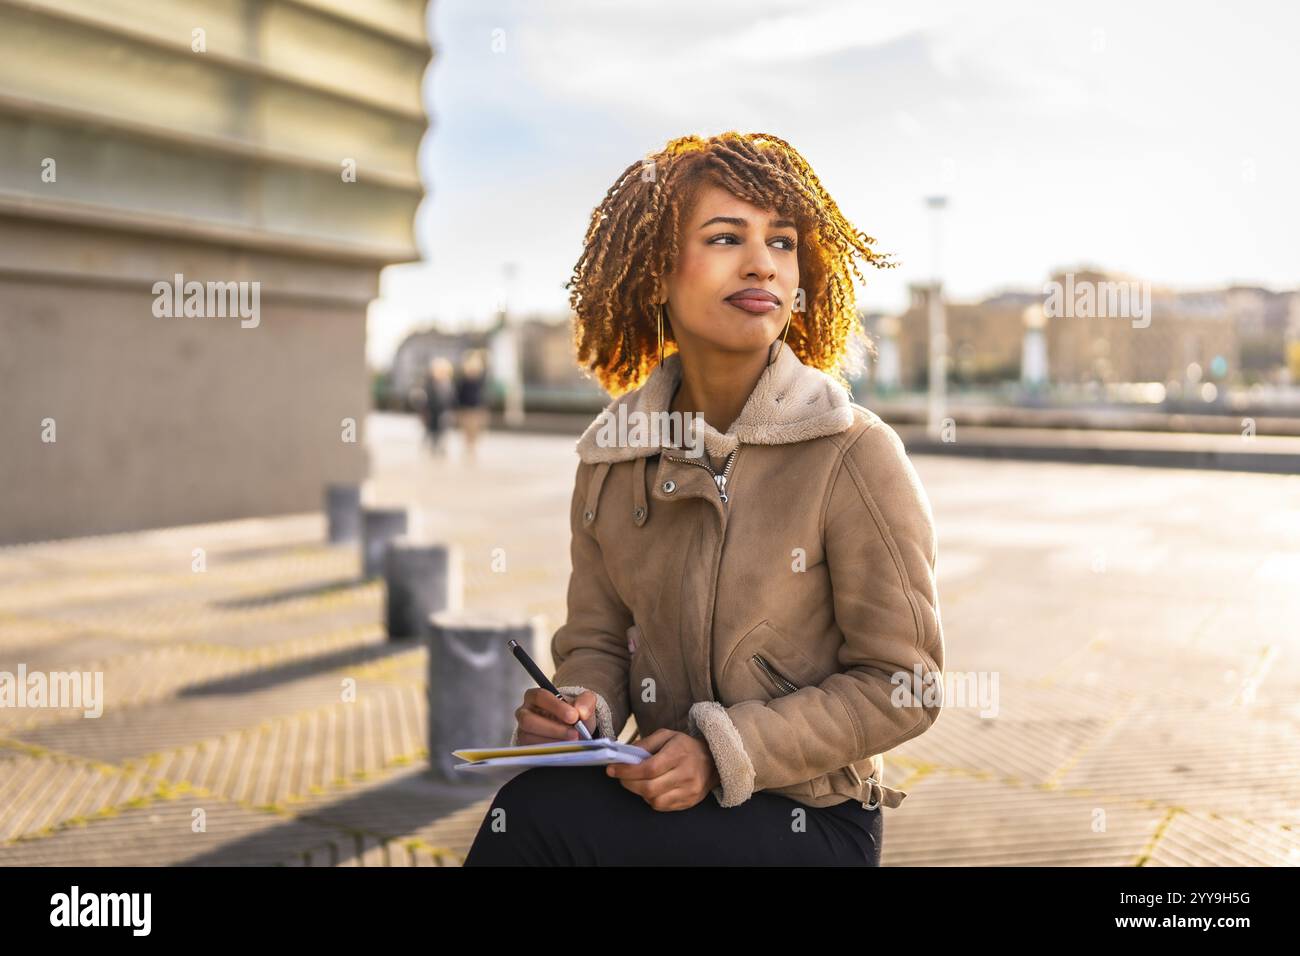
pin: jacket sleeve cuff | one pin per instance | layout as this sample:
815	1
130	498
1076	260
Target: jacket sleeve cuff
604	716
735	769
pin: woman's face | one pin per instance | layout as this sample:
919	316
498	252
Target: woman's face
727	247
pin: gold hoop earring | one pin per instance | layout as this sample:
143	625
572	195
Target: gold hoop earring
663	307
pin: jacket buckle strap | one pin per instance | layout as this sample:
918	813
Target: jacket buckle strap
857	777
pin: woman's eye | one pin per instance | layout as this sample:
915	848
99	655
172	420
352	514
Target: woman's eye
790	244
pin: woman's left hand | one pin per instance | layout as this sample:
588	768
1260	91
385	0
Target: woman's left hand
677	775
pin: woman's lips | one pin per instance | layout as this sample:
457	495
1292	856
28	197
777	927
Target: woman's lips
754	304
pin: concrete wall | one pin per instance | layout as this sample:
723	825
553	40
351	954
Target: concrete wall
162	421
128	156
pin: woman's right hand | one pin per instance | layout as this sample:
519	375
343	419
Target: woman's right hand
544	718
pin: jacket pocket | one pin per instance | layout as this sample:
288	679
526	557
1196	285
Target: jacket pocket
772	665
774	677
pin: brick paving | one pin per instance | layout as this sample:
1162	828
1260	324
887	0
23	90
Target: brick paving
1143	626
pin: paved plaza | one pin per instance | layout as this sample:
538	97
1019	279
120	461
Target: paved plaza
1141	628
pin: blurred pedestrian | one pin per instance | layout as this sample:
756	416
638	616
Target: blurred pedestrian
440	398
471	401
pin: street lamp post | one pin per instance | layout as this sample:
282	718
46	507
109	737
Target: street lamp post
937	405
513	375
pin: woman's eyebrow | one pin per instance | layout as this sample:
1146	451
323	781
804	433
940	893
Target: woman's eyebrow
736	221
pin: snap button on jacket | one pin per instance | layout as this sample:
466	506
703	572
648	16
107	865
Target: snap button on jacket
792	620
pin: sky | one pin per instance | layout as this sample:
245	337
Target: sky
1155	139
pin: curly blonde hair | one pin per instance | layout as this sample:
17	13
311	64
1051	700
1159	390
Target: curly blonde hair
632	241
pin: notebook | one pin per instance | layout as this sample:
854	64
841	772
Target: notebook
562	753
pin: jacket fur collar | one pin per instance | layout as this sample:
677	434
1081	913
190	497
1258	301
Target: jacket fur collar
791	402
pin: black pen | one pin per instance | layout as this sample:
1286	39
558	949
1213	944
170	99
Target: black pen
542	681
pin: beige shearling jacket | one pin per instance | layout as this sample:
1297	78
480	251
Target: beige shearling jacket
795	624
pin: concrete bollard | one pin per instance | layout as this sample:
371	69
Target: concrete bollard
343	507
475	683
378	527
420	580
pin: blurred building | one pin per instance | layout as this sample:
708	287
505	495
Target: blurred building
1263	320
1292	371
547	358
984	338
266	148
412	358
1189	336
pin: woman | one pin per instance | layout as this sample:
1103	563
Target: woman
471	403
439	396
767	610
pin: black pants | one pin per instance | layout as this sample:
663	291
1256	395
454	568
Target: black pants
578	816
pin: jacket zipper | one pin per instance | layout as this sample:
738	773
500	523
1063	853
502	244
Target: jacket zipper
721	482
718	479
788	686
783	683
